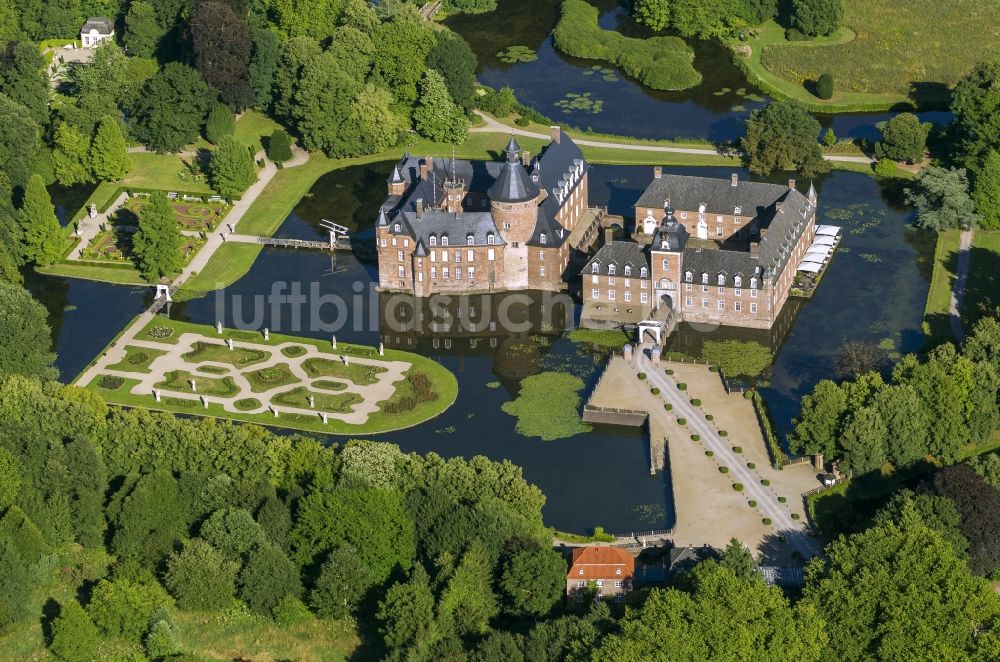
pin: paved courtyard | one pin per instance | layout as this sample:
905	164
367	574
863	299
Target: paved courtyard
341	386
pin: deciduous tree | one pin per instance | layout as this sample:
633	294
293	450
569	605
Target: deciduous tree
279	146
172	108
234	532
142	31
123	608
27	346
533	581
736	358
818	423
817	17
74	636
18	141
401	49
267	578
453	58
974	102
221	122
783	136
22	77
199	576
157	243
407	615
263	65
222	50
71	156
342	583
904	138
986	191
978	505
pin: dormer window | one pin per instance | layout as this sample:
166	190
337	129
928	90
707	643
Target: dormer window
490	239
738	281
628	270
444	241
396	227
722	279
595	268
738	211
704	279
688	276
618	571
642	272
753	283
611	270
542	238
470	240
433	240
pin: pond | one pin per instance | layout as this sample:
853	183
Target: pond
715	110
874	289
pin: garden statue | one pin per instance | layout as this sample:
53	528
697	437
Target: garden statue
93	210
156	394
333	341
324	417
194	386
274	411
229	343
204	402
312	402
267	333
344	359
218	327
381	349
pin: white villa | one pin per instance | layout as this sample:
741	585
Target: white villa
96	31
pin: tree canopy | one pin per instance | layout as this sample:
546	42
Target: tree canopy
736	358
171	110
157	243
941	196
783	136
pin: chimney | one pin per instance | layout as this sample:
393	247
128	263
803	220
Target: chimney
791	183
657	172
526	158
423	170
778	206
609	235
426	166
420	207
754	248
556	133
763	233
734	179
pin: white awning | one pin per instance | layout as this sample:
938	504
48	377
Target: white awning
824	240
820	251
810	266
831	230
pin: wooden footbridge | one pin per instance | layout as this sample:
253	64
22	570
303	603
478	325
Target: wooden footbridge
339	239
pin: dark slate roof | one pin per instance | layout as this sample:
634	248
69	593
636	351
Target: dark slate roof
513	184
553	165
396	177
620	254
512	146
669	236
783	229
719	196
420	250
99	23
714	262
457	227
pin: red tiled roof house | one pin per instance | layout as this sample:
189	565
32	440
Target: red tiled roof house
608	570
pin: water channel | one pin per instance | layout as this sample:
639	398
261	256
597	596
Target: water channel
873	290
715	110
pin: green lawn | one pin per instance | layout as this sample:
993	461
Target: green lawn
360	374
442	381
936	324
299	397
180	380
230	262
267	378
124	275
220	353
982	290
137	359
166	172
889	52
252	126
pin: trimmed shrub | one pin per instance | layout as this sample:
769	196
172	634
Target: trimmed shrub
723	433
796	516
748	395
642	375
709	453
765	482
766	521
682	386
279	146
696	437
782	499
738	449
723	470
885	168
681	421
668	406
654	391
738	487
713	368
752	503
709	417
669	371
111	382
751	465
824	86
696	402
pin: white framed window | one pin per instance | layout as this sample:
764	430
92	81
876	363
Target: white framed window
444	273
382	242
739	292
402	271
722	290
688	287
491	255
541	255
470	255
541	271
611	295
420	276
444	240
434	256
704	278
472	273
688	276
611	270
753	283
619	583
665	264
396	227
753	308
718	231
722	304
600	583
628	270
753	294
643	272
399	256
611	281
704	303
704	288
458	257
434	273
470	240
406	242
738	281
433	240
444	256
688	302
628	282
684	214
490	239
542	238
643	297
595	293
395	242
737	306
458	273
595	268
628	295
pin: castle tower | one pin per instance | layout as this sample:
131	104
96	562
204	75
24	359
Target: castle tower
454	189
513	199
397	185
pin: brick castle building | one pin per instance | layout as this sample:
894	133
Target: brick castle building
480	226
706	250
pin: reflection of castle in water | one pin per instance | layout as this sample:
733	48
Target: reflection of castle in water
689	338
505	325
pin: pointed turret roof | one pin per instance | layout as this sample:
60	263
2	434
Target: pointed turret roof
396	177
513	184
420	250
383	219
812	191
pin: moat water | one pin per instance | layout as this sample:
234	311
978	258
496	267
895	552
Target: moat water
873	290
714	110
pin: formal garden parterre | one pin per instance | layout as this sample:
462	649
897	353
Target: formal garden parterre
279	380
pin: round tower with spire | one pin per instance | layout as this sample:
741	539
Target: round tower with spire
514	198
